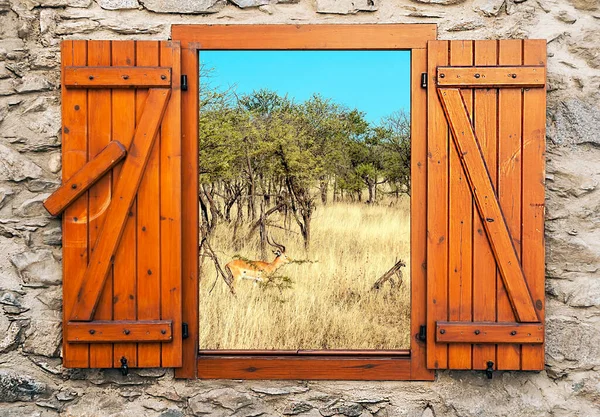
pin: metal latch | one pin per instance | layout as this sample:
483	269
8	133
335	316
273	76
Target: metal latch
424	80
124	367
185	331
489	371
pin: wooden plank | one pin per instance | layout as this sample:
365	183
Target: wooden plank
117	77
418	216
74	219
484	264
127	186
501	333
170	209
190	220
489	77
124	268
487	204
532	243
365	36
119	331
99	135
437	214
148	223
83	179
460	228
509	187
312	368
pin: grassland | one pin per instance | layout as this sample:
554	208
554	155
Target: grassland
330	304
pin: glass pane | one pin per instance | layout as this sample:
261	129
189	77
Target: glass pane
304	200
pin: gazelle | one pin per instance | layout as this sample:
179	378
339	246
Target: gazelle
239	269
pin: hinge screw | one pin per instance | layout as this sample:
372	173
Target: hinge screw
92	331
163	331
442	331
477	332
126	331
163	77
514	75
477	75
73	186
442	75
514	332
125	77
91	77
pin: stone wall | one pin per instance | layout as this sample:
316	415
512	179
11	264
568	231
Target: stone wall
32	381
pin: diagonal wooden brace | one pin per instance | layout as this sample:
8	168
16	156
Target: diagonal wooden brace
117	213
83	179
487	204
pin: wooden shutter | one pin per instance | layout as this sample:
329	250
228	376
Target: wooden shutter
485	250
121	197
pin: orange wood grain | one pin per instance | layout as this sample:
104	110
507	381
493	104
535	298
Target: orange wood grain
170	208
437	210
133	168
534	174
487	205
83	179
313	368
509	186
119	331
365	36
485	332
189	212
124	268
119	76
74	219
493	77
418	216
148	222
460	228
484	264
99	135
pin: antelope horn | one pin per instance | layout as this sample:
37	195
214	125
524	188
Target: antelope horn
275	244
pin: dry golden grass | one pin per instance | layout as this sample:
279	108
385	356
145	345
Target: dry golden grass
330	304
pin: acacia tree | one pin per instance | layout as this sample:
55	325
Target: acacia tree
263	147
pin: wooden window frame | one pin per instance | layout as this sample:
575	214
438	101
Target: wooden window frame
335	365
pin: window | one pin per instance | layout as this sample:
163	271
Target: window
131	219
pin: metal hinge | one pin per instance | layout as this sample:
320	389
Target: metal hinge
424	80
184	84
422	336
185	331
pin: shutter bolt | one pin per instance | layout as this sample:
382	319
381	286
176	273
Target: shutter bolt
477	331
514	75
442	331
442	75
163	77
92	331
125	77
91	77
514	332
477	75
73	186
126	331
124	367
163	331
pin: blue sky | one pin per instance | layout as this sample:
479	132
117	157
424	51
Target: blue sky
375	82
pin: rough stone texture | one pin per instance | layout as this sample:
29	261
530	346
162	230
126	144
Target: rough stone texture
346	6
32	381
183	6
